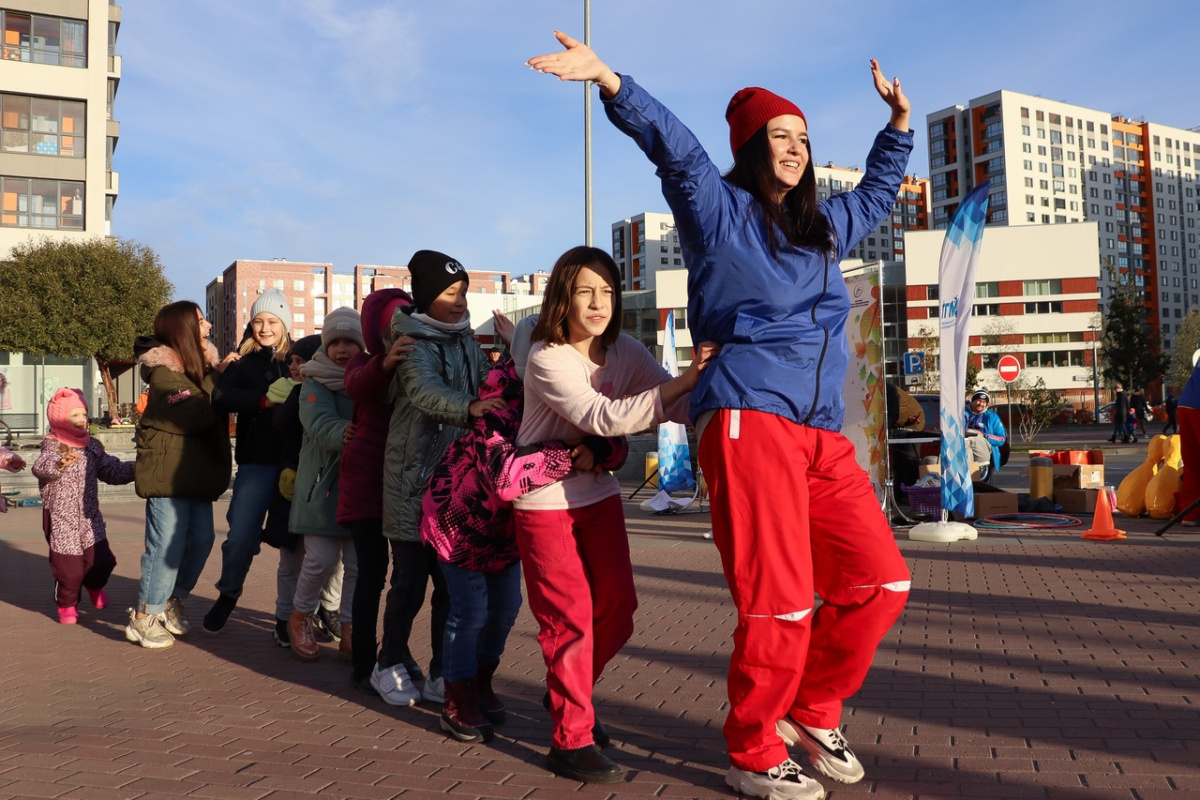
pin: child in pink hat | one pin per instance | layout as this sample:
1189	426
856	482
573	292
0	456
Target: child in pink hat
70	464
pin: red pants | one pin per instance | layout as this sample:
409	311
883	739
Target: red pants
91	569
1189	447
793	513
580	584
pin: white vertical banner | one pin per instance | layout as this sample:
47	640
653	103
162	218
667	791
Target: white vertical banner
956	294
865	422
674	457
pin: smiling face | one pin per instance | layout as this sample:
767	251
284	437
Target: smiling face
341	351
267	329
295	362
205	326
787	136
78	418
591	306
450	305
978	405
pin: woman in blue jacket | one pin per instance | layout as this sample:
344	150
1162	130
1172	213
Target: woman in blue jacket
763	281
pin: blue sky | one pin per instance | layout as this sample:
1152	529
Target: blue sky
360	131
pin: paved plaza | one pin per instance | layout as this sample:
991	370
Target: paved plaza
1025	665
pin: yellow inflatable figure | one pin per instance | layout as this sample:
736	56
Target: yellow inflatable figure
1160	491
1131	494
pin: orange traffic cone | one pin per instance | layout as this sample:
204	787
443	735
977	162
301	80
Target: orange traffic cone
1102	528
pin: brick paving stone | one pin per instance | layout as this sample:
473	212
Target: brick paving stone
1030	665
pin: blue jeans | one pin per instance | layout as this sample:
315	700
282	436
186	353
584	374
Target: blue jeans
253	489
483	608
179	537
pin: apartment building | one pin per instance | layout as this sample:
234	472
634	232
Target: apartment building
910	212
1051	162
642	245
313	289
1036	297
58	78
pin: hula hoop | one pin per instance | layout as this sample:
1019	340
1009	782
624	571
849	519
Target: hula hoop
1018	522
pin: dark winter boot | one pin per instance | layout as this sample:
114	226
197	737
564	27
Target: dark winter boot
491	706
460	714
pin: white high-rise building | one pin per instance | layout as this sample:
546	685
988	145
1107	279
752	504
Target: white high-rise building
644	244
59	73
1052	162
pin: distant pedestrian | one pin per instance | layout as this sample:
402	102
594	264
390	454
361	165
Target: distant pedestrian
1171	405
183	465
1137	402
68	470
1120	411
242	390
10	462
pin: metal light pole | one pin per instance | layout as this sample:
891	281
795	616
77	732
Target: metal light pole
587	132
1095	376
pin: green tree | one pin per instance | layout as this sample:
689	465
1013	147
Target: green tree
1184	343
1129	348
1043	406
81	298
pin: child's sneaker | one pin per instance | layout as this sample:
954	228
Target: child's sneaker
148	631
99	598
395	685
784	782
282	637
68	616
434	689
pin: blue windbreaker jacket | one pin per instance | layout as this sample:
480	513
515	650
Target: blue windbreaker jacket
780	319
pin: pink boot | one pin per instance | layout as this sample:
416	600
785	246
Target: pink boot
99	598
68	615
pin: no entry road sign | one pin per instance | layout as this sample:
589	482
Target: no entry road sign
1009	368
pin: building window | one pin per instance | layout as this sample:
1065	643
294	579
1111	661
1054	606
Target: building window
44	40
1052	307
42	126
37	203
681	320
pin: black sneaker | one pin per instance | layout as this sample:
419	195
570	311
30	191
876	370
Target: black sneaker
281	633
218	615
328	627
584	764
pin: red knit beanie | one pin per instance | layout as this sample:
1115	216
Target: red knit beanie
750	109
58	412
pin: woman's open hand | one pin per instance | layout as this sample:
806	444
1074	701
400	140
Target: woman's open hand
577	62
893	96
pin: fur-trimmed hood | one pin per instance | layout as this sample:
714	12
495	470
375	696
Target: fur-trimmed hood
152	352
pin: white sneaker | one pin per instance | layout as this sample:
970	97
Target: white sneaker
174	619
434	690
827	749
394	685
785	782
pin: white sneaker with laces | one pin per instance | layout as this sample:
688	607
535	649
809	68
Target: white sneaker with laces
174	619
394	685
784	782
434	690
827	749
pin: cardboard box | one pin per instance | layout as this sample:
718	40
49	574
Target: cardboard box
1077	501
989	501
936	469
1078	476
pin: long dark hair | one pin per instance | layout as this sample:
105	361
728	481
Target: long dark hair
178	325
797	217
551	326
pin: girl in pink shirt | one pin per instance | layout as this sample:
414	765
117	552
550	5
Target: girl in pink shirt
585	378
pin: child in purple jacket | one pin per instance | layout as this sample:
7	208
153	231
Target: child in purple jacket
467	518
67	470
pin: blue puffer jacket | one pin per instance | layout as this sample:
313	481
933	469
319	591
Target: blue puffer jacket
780	319
989	424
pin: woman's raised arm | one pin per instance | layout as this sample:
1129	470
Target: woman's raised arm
577	62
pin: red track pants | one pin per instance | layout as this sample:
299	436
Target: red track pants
793	513
580	584
1189	447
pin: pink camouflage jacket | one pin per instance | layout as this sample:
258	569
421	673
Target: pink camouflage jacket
466	514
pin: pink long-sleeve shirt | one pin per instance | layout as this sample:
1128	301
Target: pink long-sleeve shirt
568	396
